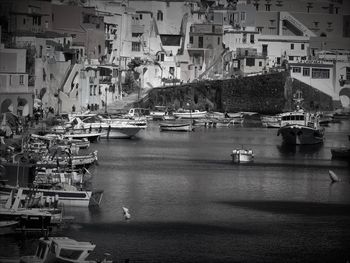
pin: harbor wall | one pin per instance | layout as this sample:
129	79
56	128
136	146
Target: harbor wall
265	94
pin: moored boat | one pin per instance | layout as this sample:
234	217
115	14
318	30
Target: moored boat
59	249
186	127
190	114
242	156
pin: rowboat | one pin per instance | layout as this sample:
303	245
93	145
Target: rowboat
242	156
187	127
190	114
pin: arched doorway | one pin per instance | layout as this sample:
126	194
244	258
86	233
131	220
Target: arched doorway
7	106
344	96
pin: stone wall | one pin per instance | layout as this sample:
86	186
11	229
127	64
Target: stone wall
265	94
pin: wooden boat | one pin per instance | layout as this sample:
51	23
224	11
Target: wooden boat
59	249
190	114
341	153
8	227
184	127
29	218
242	156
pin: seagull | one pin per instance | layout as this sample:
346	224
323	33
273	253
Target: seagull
333	176
127	216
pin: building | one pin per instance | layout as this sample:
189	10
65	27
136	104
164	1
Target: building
15	96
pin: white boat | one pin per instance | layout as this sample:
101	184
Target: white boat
187	127
111	128
59	249
190	114
242	156
66	194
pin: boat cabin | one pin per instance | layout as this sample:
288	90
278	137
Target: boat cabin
299	118
62	249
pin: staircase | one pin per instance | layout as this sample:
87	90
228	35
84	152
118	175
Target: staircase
296	23
126	103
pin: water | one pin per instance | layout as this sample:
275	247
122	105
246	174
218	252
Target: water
189	203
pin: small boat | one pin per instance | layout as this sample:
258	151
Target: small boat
341	153
8	227
186	127
271	121
242	156
69	160
92	137
190	114
59	249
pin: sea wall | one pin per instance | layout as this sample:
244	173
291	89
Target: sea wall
265	94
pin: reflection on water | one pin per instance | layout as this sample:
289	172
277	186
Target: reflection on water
189	203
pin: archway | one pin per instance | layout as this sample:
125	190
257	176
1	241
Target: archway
22	107
344	96
7	106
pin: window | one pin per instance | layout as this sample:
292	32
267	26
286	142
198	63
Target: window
267	7
95	87
160	15
44	75
70	253
256	6
191	39
10	80
320	73
244	40
219	40
136	34
296	69
264	50
290	58
291	46
250	62
21	79
172	70
347	77
200	42
260	64
243	16
162	57
135	46
302	46
252	39
306	71
91	87
260	28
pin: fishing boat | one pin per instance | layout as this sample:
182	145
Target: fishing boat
300	127
59	249
188	114
68	160
242	156
29	218
66	194
184	127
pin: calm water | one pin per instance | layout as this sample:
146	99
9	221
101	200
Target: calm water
189	203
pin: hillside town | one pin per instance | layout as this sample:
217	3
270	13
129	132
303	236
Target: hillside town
78	55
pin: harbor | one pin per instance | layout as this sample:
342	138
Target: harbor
182	190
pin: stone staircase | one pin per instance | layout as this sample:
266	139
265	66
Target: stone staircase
127	102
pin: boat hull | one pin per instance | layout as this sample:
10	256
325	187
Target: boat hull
242	156
301	135
192	115
176	127
67	198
